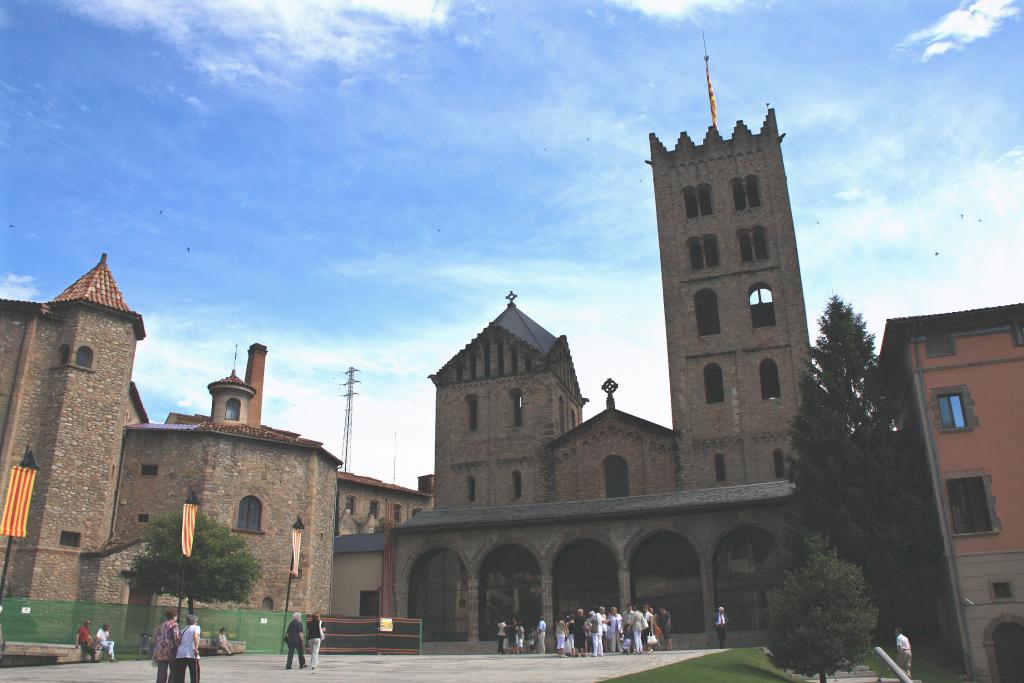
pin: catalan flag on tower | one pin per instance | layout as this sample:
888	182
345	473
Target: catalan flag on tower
19	494
188	524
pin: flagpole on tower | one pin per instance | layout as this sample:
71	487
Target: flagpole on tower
711	91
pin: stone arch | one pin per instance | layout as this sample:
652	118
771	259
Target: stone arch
584	573
989	642
509	585
746	562
406	572
438	583
665	569
571	537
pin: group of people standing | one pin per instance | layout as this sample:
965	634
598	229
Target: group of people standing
637	630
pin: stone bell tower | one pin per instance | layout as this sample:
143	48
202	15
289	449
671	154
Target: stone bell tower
734	305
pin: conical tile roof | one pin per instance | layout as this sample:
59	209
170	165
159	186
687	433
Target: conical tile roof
96	287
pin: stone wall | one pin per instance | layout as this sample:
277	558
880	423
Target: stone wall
359	520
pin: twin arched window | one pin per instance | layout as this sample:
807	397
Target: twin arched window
703	252
250	514
714	390
232	409
471	407
616	477
769	372
471	489
745	192
517	408
517	484
83	357
697	201
705	304
753	244
762	307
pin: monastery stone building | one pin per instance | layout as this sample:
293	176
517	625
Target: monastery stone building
537	513
105	470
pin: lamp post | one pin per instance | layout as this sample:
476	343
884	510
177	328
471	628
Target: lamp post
15	514
293	569
188	532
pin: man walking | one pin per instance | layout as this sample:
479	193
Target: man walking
903	651
294	640
542	632
721	625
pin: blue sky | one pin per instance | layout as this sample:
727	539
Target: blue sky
360	182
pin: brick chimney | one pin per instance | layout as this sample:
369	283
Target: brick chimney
254	378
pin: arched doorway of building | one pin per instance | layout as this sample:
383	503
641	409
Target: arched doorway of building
665	572
747	564
1008	642
585	575
509	587
438	594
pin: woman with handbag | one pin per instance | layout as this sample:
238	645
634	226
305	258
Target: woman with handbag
314	634
188	652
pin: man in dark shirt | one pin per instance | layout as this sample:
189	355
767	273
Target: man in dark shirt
294	640
84	641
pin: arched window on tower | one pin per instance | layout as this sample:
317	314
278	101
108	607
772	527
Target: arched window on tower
472	366
779	464
705	303
690	202
739	194
760	239
517	408
517	484
714	392
616	477
710	250
487	359
753	192
64	354
250	514
458	371
232	409
769	372
83	357
762	308
746	246
471	489
704	199
696	253
501	359
471	406
719	467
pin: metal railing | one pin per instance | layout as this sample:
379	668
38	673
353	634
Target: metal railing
887	660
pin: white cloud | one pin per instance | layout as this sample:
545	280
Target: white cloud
233	40
18	287
678	9
964	25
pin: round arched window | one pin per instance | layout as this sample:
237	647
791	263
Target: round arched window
83	357
232	409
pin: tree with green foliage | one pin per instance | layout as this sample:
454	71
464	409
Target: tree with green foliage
220	569
821	619
861	483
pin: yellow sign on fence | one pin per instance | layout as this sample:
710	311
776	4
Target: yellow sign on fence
386	625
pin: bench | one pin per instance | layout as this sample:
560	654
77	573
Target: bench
28	654
208	647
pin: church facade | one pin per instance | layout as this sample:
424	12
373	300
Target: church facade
538	512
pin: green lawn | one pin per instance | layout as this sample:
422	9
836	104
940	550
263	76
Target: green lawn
748	665
933	662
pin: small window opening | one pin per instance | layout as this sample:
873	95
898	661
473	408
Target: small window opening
398	513
969	505
517	485
690	202
514	361
696	253
350	504
739	194
83	357
951	411
769	372
779	464
458	371
232	409
939	345
71	538
64	354
487	359
762	308
529	363
746	246
374	509
760	239
471	489
616	477
250	513
714	391
267	605
1002	590
561	415
472	366
517	408
143	519
704	199
471	403
753	192
710	251
501	359
705	303
150	470
719	467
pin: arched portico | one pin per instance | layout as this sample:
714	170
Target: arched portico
510	585
439	593
665	571
747	563
585	573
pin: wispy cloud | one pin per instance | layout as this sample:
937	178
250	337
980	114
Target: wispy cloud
233	40
678	9
964	25
18	287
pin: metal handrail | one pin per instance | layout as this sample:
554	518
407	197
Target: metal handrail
887	660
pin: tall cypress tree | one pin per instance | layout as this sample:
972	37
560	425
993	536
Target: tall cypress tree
862	483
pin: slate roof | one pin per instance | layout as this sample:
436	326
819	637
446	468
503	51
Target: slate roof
539	513
359	543
524	327
96	287
377	483
240	429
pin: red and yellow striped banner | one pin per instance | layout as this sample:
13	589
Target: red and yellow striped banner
19	495
188	529
711	95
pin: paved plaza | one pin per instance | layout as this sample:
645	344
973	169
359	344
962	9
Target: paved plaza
270	668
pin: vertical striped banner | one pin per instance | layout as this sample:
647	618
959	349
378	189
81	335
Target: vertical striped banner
296	549
19	495
387	571
188	528
711	94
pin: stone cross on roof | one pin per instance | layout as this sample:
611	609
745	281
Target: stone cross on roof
609	388
511	296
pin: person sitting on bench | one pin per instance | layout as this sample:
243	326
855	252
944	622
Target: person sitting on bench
222	644
104	643
84	641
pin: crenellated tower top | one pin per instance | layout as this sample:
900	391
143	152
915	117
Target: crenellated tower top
714	145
